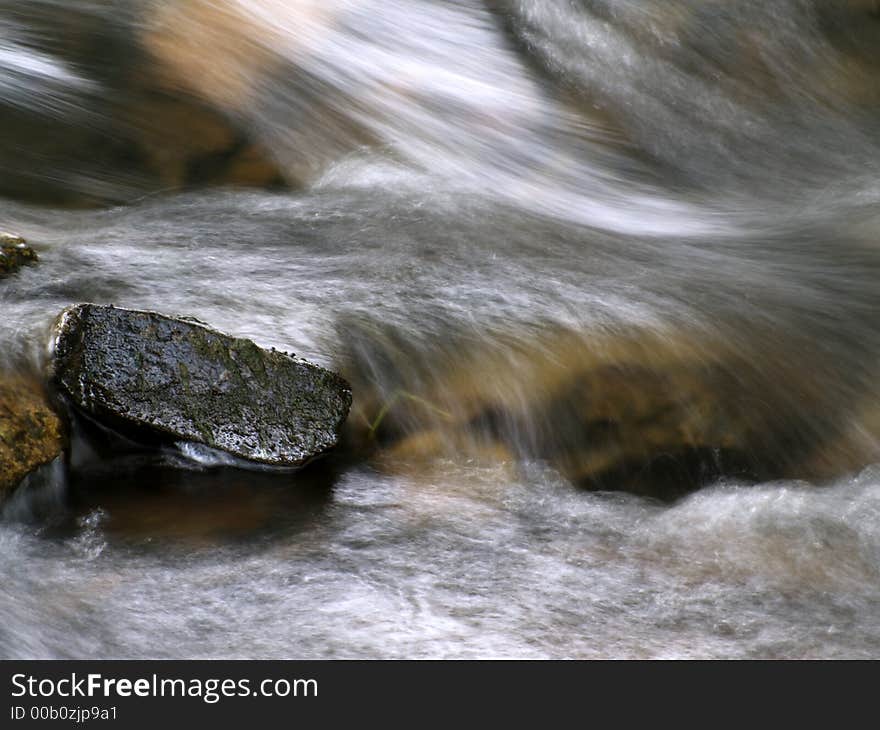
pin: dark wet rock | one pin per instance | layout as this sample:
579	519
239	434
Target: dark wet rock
14	253
150	373
31	434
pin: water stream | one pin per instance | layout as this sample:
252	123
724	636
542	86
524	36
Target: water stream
517	227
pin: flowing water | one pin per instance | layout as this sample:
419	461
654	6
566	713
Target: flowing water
566	252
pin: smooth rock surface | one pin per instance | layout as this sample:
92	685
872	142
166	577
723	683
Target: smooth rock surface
177	377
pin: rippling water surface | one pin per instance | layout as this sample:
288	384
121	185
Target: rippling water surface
488	203
460	563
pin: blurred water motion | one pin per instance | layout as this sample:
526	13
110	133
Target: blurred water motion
621	245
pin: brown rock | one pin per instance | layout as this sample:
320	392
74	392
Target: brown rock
655	413
251	166
31	434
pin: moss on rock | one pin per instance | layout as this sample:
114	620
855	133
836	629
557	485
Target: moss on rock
14	253
31	434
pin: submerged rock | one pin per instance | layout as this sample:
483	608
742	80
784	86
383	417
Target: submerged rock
14	253
657	413
147	372
31	434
